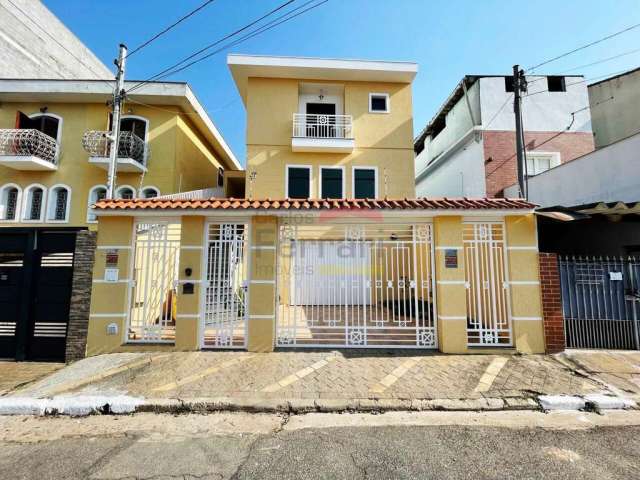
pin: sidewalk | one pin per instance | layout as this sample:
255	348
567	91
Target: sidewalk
320	380
14	375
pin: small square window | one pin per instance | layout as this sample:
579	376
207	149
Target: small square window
378	103
364	183
556	84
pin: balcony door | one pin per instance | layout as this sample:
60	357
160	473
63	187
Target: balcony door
321	120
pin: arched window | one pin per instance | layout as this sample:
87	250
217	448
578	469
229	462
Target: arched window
99	192
59	203
10	196
125	192
149	192
34	203
139	126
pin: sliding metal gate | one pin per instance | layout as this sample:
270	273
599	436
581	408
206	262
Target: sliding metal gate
488	306
601	302
356	286
225	292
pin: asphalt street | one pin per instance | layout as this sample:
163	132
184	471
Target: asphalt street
273	449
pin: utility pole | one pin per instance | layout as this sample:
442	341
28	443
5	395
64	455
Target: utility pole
114	136
520	86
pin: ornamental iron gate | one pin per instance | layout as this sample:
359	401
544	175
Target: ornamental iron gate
601	301
356	286
152	317
488	307
225	292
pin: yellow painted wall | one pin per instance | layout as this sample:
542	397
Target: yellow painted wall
176	151
381	140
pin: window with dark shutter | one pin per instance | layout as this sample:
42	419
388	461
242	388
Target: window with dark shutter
298	182
364	183
331	183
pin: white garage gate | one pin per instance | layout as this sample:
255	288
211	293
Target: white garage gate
356	286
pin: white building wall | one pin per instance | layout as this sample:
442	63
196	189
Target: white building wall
458	123
459	174
542	111
615	104
610	174
34	43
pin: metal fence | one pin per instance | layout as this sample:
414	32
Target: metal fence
601	301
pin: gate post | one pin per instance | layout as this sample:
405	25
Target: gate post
190	285
262	284
450	285
524	283
552	303
109	299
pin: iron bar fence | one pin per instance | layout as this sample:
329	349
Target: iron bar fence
600	301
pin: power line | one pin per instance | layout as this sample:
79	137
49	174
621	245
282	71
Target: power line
176	23
207	47
602	61
577	83
270	25
584	46
495	115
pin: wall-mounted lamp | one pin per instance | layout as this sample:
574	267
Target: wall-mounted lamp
44	109
321	96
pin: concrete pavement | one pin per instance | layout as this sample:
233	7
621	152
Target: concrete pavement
497	445
14	375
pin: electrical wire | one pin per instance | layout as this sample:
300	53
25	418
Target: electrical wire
495	115
173	25
608	37
211	45
262	29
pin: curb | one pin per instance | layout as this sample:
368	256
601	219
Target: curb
337	405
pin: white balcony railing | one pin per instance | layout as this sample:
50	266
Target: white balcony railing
96	143
28	143
322	126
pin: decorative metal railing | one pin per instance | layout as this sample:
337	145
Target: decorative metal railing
322	126
28	142
97	144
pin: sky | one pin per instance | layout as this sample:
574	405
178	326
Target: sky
448	39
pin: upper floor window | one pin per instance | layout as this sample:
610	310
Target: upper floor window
379	103
58	204
10	202
331	182
556	84
134	134
46	123
150	192
136	125
97	193
538	162
365	182
298	182
34	202
125	192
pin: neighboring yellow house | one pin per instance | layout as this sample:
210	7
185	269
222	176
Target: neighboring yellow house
53	166
330	248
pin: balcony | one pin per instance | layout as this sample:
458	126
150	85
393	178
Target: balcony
322	133
133	152
28	149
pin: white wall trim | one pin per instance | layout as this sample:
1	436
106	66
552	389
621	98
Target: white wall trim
90	201
527	319
451	317
449	247
529	247
107	315
524	282
263	282
113	247
451	282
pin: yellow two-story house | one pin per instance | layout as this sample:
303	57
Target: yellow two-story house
330	248
54	157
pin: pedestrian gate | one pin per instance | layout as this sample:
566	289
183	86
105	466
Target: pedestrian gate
356	286
152	316
225	291
488	306
600	301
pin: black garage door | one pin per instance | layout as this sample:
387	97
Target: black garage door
36	271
